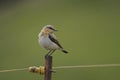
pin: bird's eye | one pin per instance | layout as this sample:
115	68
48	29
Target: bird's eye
51	28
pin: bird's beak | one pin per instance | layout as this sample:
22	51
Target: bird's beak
55	30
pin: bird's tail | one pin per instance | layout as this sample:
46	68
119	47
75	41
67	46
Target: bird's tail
64	51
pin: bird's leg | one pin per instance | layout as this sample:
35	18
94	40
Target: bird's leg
52	52
48	53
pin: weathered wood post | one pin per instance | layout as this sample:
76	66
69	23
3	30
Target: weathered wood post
48	68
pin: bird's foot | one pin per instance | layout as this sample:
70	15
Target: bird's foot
47	55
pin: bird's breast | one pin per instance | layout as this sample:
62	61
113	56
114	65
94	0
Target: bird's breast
46	43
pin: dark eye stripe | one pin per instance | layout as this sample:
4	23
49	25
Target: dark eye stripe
51	28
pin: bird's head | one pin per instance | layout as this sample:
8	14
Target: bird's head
48	29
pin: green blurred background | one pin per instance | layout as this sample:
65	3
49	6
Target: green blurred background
88	29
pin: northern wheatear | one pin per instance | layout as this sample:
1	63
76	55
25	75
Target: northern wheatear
48	40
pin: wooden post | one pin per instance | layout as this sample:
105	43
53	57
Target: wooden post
48	68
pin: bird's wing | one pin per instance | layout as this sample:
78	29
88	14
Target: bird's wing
51	37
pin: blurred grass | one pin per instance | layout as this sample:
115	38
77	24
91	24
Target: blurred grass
89	30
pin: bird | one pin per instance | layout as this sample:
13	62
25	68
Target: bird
48	40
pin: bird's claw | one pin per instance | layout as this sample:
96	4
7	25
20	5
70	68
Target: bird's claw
47	55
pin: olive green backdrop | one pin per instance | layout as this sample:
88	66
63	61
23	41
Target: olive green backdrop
88	29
